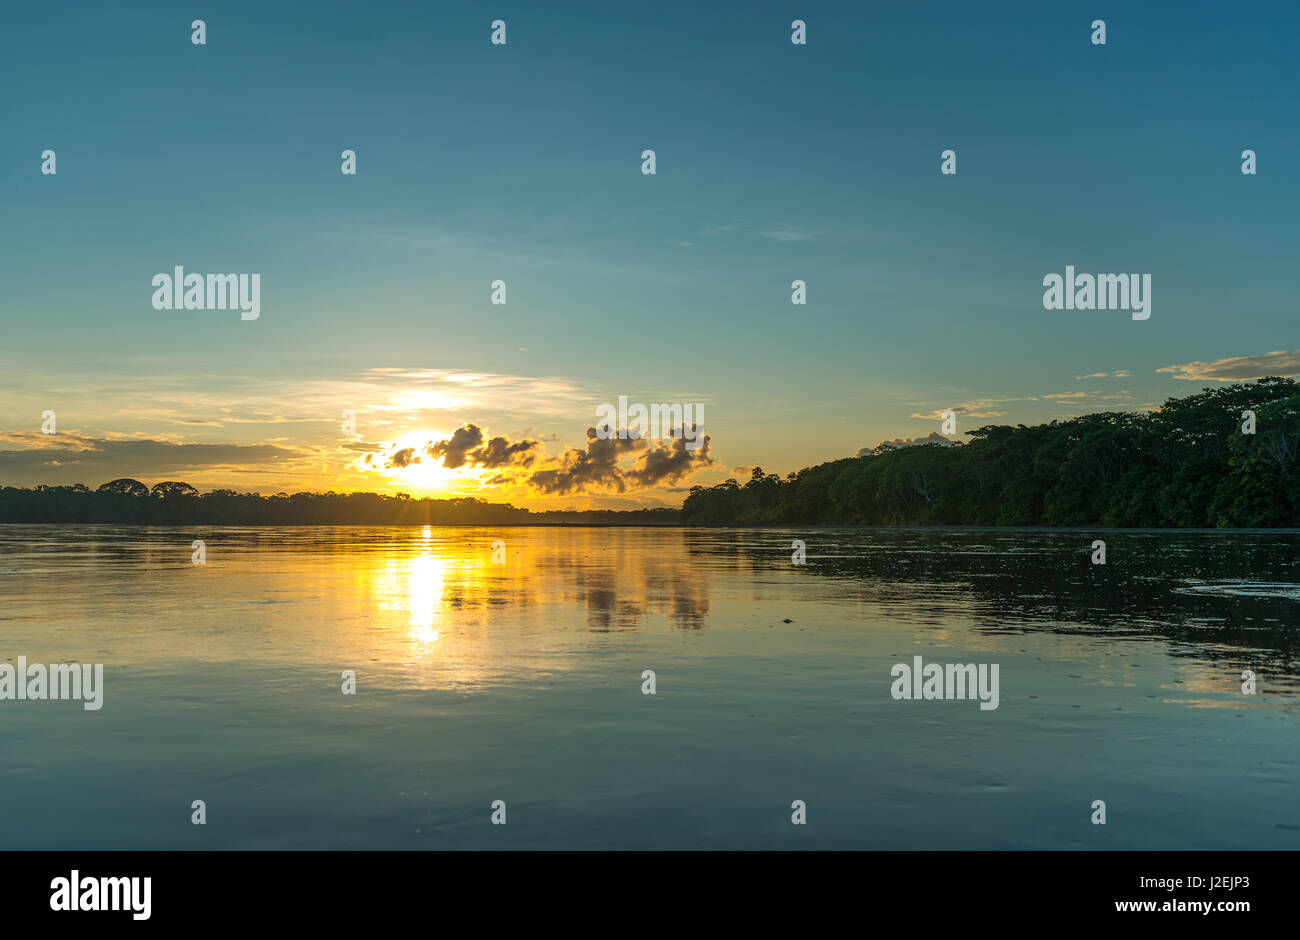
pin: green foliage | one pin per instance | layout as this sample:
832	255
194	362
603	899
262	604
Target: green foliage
1187	464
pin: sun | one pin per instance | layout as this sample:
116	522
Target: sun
407	465
426	474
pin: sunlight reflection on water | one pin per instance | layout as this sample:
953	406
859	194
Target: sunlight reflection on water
772	678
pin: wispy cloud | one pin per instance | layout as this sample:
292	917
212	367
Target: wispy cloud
69	458
968	411
785	233
212	404
773	231
1238	368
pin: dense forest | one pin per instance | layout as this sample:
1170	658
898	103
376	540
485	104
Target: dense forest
174	503
1189	464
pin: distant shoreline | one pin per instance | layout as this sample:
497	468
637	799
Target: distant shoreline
661	525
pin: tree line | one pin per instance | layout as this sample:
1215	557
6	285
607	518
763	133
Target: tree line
1228	457
128	501
1192	463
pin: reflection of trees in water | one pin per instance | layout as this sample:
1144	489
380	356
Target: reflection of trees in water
618	578
1170	585
623	583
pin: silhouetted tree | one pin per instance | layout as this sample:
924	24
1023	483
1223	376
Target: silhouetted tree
124	486
170	489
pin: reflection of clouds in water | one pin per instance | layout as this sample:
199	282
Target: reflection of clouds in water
443	615
620	580
623	595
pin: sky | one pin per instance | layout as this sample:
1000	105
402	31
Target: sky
522	162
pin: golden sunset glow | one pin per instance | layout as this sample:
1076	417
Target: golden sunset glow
425	475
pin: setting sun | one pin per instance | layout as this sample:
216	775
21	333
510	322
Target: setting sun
411	467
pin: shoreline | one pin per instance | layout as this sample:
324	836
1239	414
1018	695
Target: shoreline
792	527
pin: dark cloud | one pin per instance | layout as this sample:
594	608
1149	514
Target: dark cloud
453	451
669	462
499	452
85	459
596	468
465	448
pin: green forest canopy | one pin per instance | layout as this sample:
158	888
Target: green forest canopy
1187	464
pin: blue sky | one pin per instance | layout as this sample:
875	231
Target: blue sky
522	162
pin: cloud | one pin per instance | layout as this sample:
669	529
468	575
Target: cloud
934	437
75	458
467	447
455	449
145	400
669	462
594	467
775	231
1068	395
937	414
785	233
389	457
499	452
597	467
971	409
1238	368
1120	374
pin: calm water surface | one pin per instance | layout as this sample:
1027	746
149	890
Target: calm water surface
522	682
